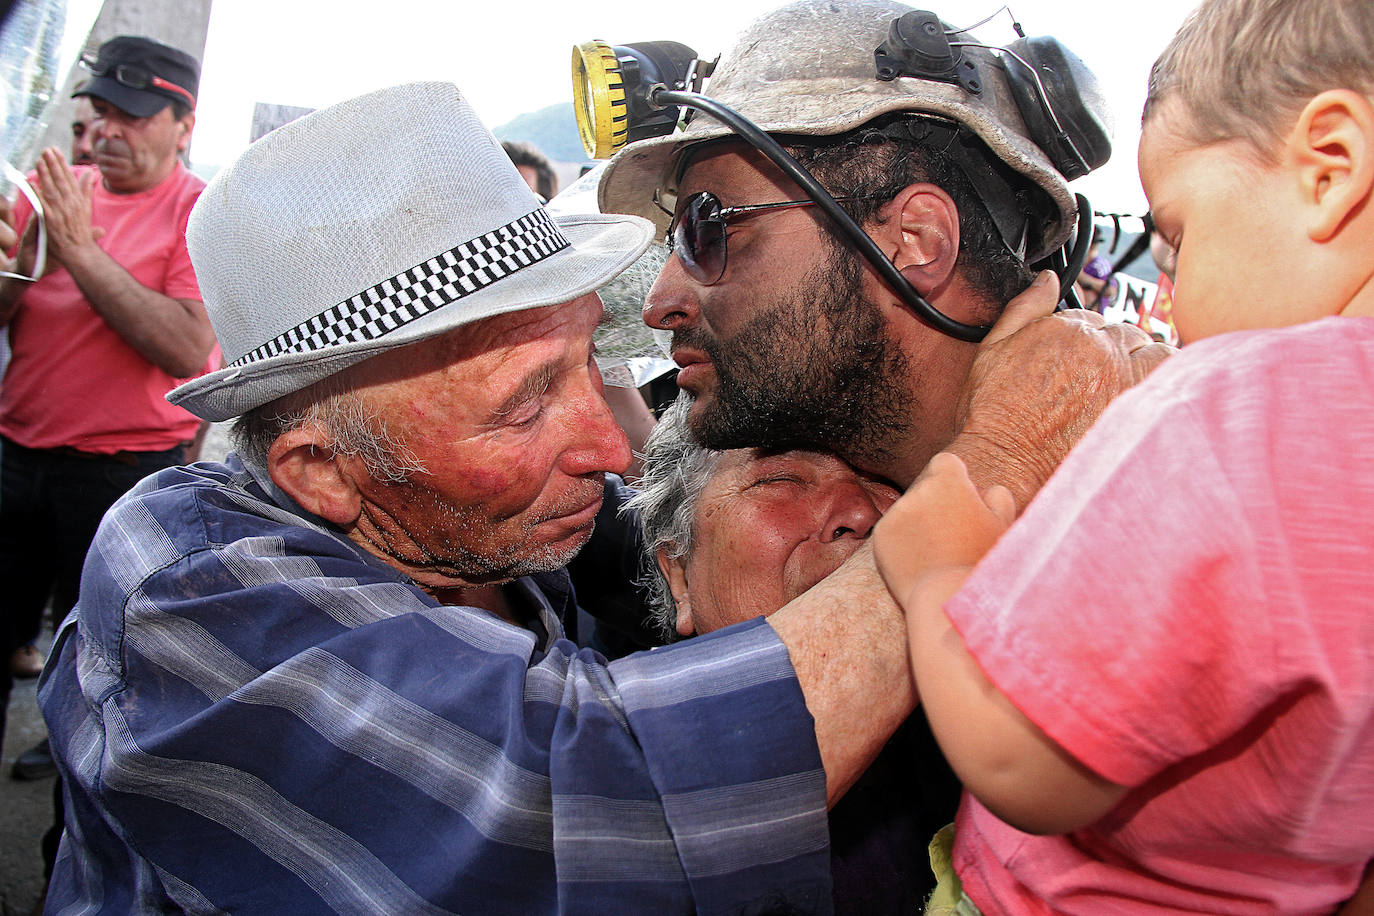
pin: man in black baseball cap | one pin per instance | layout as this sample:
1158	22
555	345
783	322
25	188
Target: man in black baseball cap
141	76
113	324
144	96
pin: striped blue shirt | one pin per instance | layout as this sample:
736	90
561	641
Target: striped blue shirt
252	715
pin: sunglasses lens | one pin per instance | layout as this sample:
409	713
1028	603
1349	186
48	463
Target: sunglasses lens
699	238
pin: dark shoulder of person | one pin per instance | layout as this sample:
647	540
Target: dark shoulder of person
615	618
880	831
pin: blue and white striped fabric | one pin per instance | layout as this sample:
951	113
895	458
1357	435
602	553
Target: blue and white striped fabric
253	716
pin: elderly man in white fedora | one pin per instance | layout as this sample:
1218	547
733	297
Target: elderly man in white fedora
332	675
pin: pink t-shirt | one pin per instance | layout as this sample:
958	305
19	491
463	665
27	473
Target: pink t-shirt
72	381
1213	650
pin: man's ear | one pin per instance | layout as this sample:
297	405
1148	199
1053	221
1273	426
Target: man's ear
304	464
923	224
676	574
188	124
1332	145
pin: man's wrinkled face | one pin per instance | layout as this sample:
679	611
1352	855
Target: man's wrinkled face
769	526
508	420
135	154
786	350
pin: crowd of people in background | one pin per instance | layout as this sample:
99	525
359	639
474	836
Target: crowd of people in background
457	626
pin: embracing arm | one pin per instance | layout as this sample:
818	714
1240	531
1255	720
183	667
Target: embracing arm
1039	381
847	641
849	646
926	547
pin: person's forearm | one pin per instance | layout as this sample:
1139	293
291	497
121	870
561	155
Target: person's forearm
847	641
172	334
1004	760
633	416
991	462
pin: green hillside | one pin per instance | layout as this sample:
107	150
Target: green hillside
552	129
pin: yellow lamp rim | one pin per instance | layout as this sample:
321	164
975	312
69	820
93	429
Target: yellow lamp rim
599	99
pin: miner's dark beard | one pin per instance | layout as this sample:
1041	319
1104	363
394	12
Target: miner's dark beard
815	371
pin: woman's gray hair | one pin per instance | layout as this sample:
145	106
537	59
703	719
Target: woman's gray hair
676	471
354	429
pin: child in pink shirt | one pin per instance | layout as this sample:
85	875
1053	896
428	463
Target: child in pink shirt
1187	724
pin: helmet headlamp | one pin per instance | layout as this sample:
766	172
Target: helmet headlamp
613	91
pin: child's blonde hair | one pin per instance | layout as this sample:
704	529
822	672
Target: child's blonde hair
1244	69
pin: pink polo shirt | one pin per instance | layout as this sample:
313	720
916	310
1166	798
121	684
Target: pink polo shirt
71	380
1213	650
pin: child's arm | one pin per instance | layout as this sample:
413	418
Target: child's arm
1003	758
926	547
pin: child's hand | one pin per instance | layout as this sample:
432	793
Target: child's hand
942	521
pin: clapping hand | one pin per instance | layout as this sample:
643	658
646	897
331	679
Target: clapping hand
67	202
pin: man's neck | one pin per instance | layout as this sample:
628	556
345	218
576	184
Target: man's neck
492	598
442	584
902	455
937	370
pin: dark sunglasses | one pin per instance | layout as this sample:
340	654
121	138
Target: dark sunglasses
697	232
136	78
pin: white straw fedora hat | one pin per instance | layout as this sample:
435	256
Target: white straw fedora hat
372	224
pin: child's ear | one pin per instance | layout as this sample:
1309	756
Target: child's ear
1332	145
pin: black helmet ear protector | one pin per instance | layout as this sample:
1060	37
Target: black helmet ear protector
1052	88
1055	93
1059	101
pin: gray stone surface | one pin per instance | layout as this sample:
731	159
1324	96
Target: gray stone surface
180	23
25	807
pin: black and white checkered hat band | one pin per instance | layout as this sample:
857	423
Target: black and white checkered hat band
416	292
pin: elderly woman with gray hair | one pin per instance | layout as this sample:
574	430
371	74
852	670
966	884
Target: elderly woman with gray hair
737	534
733	535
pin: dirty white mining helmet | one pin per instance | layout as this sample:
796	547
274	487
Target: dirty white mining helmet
823	67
